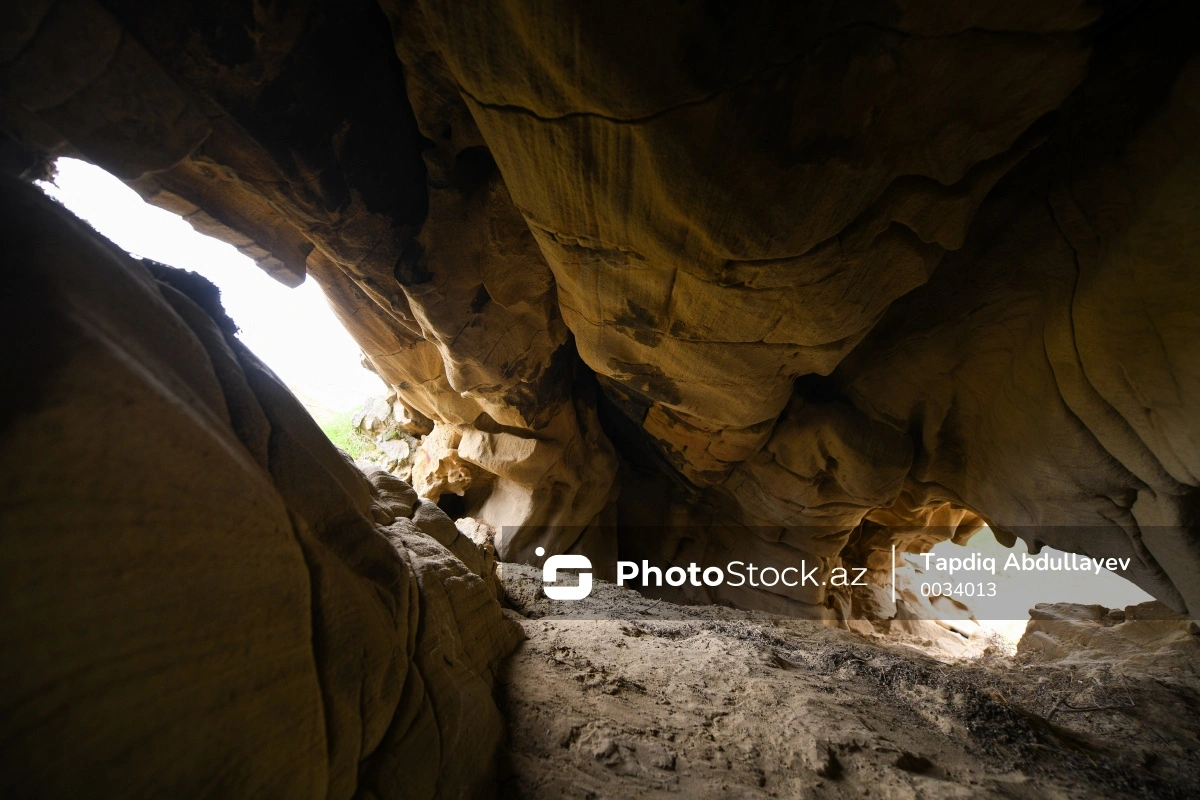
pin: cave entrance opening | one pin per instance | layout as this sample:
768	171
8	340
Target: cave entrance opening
293	331
1025	589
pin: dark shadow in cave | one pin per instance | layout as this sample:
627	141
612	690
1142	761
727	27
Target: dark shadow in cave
454	505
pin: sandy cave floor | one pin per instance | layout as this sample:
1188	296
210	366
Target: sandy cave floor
655	700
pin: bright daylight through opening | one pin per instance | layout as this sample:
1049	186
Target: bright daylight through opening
292	330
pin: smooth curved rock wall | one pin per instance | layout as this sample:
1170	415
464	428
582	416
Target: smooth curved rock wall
201	594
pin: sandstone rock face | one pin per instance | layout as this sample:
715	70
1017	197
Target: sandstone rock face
1143	638
438	469
201	595
831	277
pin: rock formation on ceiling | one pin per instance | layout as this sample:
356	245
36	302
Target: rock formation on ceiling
832	275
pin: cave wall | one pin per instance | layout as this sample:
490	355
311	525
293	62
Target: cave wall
201	594
836	275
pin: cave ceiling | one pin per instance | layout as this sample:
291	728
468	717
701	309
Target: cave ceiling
804	280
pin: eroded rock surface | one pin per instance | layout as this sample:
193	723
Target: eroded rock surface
834	276
201	594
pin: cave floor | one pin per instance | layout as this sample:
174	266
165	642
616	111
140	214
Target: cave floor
651	700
